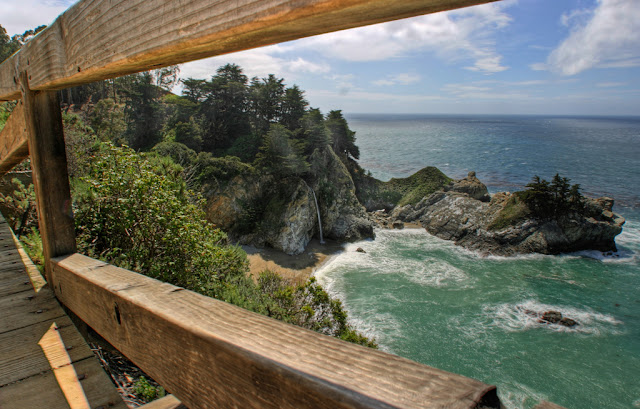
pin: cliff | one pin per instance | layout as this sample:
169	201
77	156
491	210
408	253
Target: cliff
263	210
505	225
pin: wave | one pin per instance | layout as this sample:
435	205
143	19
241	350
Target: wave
515	395
525	316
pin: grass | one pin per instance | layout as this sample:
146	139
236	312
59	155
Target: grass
514	211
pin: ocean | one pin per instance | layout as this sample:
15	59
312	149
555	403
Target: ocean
431	301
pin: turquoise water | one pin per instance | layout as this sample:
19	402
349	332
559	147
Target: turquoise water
436	303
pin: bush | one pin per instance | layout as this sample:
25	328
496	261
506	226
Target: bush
19	207
139	215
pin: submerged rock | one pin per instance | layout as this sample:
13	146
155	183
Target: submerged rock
555	317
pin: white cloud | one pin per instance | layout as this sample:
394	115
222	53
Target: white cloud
259	62
609	38
20	16
464	34
399	79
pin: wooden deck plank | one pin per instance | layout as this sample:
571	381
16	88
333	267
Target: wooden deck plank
44	361
44	392
22	357
21	310
10	284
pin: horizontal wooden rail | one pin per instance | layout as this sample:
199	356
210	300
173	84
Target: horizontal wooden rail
14	145
100	39
213	354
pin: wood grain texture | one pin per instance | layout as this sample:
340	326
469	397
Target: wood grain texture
168	402
37	280
99	39
21	356
42	391
27	379
50	176
14	146
212	354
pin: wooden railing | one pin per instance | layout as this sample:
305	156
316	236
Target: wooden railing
208	353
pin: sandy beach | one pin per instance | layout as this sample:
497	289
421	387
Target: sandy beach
296	268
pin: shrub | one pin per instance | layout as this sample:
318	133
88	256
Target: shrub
19	207
138	215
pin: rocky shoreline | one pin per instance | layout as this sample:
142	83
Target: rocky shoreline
465	213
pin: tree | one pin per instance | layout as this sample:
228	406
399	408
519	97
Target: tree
267	95
314	132
278	155
293	108
555	199
107	120
143	112
343	139
8	46
223	111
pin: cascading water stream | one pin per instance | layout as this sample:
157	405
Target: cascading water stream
318	211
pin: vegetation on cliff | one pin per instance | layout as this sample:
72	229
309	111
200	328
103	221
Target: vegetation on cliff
542	200
142	207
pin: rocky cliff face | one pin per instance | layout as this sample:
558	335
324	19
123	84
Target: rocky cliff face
260	210
343	217
463	215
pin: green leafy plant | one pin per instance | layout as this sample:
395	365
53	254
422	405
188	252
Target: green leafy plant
19	207
146	391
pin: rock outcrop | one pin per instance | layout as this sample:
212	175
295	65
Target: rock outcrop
462	214
343	217
280	213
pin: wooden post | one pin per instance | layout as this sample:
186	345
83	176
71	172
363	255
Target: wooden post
50	177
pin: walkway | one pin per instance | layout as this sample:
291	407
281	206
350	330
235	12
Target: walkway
44	361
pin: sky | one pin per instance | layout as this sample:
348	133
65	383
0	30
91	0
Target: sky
569	57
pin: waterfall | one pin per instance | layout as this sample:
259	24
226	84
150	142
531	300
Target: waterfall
318	211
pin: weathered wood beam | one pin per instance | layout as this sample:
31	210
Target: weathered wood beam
14	145
50	176
100	39
212	354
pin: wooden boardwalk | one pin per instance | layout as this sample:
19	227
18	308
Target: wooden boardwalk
44	361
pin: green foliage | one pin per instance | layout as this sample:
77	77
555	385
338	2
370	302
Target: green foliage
278	154
148	392
245	147
417	186
32	243
138	215
8	46
308	305
551	200
107	121
178	152
514	211
293	108
143	112
19	207
80	142
209	173
343	139
314	133
5	111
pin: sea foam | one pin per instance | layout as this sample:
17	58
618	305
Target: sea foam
525	315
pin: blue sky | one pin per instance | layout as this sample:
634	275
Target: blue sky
577	57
